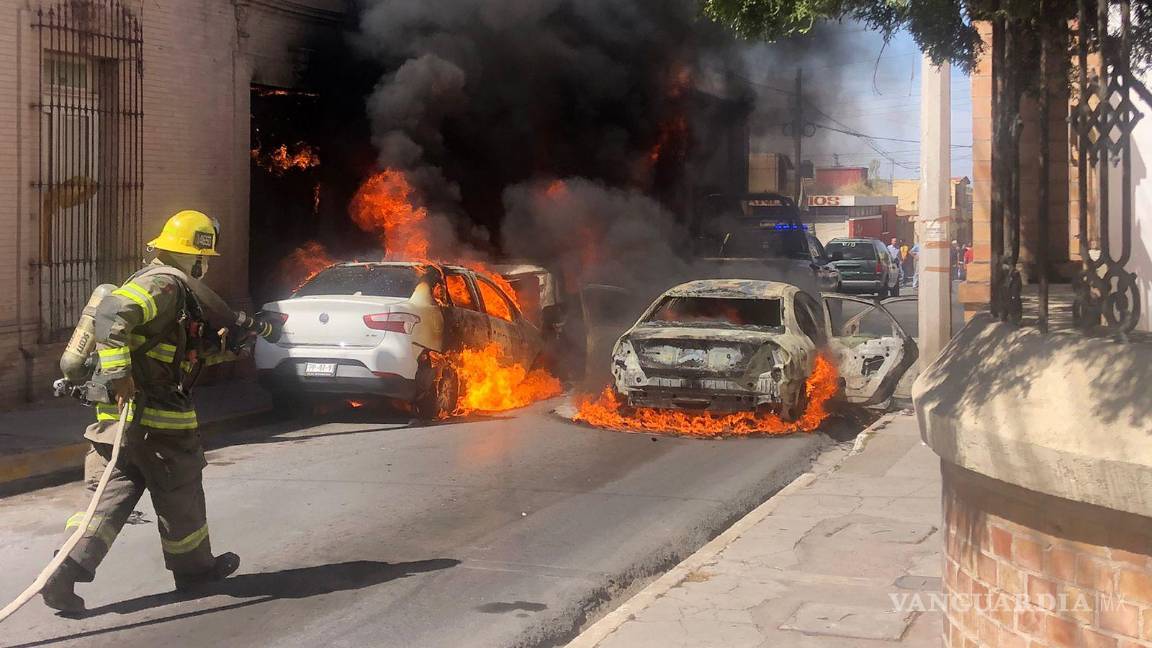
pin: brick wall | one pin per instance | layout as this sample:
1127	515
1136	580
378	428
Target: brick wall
1024	569
200	58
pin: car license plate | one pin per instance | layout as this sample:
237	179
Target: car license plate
320	369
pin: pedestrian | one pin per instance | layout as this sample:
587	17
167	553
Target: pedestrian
144	335
905	263
894	252
914	257
966	255
954	258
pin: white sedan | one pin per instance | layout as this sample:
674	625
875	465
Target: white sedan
377	330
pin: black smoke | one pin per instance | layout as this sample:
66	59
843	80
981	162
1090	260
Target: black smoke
485	101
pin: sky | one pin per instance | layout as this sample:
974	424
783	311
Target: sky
857	84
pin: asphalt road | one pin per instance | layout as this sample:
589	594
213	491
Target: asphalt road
490	532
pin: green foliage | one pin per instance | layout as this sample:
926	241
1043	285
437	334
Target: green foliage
942	28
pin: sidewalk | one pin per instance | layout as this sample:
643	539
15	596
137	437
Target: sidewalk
820	564
47	439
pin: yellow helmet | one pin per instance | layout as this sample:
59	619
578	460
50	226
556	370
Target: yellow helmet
188	232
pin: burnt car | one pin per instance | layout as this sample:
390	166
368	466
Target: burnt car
375	330
734	345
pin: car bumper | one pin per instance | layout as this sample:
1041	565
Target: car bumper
388	369
861	285
701	401
718	396
351	379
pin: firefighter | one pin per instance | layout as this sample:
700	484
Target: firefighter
149	337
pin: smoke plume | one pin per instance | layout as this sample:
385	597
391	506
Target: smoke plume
485	102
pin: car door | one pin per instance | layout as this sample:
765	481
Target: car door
606	313
465	324
871	350
508	327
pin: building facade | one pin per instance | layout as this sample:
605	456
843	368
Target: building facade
120	114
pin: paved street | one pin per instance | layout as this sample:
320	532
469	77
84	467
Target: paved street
489	532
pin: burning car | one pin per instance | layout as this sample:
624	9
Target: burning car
386	330
734	345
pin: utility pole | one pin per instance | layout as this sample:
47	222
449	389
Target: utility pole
798	133
933	224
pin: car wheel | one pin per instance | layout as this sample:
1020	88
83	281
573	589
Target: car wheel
894	291
438	391
796	410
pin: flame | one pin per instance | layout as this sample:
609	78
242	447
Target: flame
355	404
281	161
304	263
490	382
606	411
672	140
383	205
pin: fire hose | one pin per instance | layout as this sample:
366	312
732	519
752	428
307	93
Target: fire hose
61	555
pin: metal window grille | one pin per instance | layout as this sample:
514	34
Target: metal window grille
90	177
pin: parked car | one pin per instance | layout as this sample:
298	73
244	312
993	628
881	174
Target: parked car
746	345
376	329
865	266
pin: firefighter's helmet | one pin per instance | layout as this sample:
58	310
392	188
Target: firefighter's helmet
188	232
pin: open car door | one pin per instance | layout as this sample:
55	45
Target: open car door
608	311
871	350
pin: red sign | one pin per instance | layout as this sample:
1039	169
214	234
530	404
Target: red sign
823	201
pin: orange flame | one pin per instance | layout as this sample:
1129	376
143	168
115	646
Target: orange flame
280	160
355	404
383	205
671	140
490	382
304	263
606	412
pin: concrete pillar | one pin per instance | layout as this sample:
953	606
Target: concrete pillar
933	223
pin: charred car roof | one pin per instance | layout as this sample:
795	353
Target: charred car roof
739	288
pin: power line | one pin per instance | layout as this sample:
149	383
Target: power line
855	133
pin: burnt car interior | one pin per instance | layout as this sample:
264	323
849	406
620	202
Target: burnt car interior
718	311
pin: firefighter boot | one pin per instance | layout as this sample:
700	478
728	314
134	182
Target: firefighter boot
222	568
58	591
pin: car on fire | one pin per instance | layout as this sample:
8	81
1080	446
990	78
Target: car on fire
381	330
732	345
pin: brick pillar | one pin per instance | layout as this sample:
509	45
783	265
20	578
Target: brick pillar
1022	566
974	293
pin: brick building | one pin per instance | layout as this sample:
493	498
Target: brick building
120	113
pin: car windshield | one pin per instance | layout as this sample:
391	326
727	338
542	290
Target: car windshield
717	311
368	280
851	250
765	243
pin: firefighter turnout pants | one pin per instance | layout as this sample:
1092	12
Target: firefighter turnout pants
170	466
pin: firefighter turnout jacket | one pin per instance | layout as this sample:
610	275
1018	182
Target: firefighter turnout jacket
143	329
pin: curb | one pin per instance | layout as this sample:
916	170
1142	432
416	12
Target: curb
599	631
27	471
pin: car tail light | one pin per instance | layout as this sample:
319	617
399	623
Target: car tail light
273	315
395	322
879	267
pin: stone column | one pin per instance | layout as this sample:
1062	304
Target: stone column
1046	460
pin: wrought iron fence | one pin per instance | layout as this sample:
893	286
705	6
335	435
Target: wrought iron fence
90	178
1102	117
